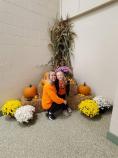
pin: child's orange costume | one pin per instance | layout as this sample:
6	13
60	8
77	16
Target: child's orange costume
49	96
62	88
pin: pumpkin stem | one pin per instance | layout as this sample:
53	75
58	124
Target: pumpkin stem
84	83
30	85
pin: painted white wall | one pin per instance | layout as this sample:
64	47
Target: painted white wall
67	7
73	7
24	42
96	50
114	118
96	54
85	4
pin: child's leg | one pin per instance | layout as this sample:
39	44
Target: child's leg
65	107
66	110
51	112
54	108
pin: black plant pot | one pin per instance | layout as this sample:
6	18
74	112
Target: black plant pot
103	110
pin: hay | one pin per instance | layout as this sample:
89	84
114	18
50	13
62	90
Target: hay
74	101
36	102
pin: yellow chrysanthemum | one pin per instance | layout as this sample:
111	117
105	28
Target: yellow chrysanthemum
89	108
9	108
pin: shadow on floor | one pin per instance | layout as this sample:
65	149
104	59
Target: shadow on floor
98	117
30	123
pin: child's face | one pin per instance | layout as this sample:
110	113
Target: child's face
60	75
52	76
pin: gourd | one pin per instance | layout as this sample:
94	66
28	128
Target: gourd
84	89
30	91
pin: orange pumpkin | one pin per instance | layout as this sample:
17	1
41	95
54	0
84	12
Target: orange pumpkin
30	92
84	89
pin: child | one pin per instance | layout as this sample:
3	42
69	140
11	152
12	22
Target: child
62	86
50	100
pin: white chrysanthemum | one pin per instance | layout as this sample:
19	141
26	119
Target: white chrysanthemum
102	102
24	113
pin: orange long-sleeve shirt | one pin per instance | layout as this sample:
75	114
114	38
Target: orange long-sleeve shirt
49	96
62	88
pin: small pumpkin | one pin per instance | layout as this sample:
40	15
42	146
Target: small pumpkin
84	89
30	91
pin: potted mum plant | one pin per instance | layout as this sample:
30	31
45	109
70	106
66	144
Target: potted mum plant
62	40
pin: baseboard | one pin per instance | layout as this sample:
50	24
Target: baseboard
112	137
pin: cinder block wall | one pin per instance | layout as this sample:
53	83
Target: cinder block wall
24	42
